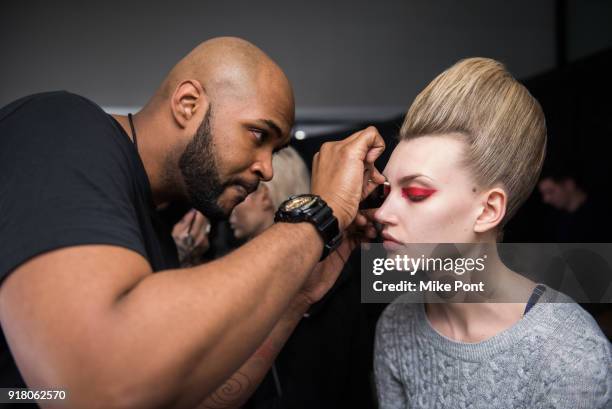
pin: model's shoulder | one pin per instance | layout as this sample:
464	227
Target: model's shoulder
579	356
570	327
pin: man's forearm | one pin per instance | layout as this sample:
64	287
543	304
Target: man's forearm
202	323
241	385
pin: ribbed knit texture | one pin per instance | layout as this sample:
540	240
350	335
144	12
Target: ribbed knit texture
554	357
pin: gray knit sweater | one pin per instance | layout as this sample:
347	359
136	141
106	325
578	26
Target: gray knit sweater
554	357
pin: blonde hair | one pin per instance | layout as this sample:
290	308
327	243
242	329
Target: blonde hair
291	176
501	122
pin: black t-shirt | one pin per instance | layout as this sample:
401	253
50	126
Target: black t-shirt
70	175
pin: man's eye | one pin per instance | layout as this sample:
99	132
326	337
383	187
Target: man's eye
417	194
258	134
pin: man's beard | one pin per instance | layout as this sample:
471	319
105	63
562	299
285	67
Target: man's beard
198	167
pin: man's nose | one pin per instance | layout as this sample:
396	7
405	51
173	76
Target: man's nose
263	168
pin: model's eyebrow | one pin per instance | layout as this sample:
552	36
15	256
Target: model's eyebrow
409	178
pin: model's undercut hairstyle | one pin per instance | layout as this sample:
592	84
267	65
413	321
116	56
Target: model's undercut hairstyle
503	125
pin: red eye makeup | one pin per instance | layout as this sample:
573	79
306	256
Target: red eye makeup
417	194
378	196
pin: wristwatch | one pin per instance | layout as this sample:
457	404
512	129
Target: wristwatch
312	209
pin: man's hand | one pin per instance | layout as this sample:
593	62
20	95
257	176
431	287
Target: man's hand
341	171
325	273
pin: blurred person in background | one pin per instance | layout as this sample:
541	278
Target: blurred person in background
191	237
256	212
579	217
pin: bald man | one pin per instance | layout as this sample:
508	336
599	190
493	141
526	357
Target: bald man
91	300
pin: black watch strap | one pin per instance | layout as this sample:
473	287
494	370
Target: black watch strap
329	229
316	212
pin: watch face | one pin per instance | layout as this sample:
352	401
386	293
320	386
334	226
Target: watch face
299	202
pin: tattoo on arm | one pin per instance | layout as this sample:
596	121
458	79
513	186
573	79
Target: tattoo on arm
229	393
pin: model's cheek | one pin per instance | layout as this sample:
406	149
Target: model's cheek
459	222
429	223
417	226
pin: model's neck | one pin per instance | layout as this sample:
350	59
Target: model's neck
483	317
470	322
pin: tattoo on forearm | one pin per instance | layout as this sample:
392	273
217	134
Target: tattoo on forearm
229	393
239	387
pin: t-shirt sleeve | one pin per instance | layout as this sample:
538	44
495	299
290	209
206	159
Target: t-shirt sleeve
65	180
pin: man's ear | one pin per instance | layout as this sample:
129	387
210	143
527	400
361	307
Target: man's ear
492	211
189	98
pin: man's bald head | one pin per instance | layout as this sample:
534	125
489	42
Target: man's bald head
228	67
218	116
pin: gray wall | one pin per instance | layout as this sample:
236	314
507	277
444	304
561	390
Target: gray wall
589	27
345	54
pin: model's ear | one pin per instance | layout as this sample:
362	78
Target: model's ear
492	210
189	98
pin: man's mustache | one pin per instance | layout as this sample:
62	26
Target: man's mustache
250	187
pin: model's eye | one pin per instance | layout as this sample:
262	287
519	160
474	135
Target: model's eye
417	194
386	190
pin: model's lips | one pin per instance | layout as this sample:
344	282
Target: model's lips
390	242
387	237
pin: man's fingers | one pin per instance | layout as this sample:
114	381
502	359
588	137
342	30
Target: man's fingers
369	142
373	143
360	220
372	179
376	176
